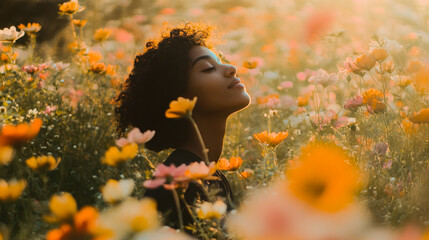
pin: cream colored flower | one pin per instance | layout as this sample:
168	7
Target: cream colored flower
211	210
115	191
10	35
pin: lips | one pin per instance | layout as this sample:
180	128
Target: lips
234	82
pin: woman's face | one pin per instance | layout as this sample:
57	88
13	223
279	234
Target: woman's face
215	84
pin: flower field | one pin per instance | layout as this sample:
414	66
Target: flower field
335	143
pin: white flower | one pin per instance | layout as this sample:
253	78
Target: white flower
115	191
10	34
323	78
211	210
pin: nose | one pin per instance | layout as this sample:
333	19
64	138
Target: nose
230	71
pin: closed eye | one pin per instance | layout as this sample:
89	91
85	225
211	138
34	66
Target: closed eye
208	69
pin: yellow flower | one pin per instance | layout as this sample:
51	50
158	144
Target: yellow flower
11	135
366	61
380	54
250	64
114	157
271	139
181	107
30	28
115	191
324	178
70	7
10	191
79	23
43	163
63	207
102	34
420	117
98	68
208	210
6	154
232	164
146	217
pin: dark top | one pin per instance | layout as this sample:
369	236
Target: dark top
194	192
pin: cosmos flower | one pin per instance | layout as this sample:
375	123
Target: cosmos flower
71	7
421	116
30	28
234	163
12	135
324	178
63	207
170	177
115	157
135	136
366	61
181	107
115	191
10	35
271	139
43	164
10	191
323	78
208	210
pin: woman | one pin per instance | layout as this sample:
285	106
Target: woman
181	64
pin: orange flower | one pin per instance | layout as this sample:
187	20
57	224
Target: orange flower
71	7
420	117
10	191
414	66
181	107
43	164
371	95
380	54
324	179
421	80
388	66
30	28
246	173
84	227
409	127
79	23
271	139
102	34
98	68
250	64
302	101
263	100
12	135
232	164
366	61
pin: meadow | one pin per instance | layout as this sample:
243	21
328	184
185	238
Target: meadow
335	144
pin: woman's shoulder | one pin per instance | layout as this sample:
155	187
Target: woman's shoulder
181	156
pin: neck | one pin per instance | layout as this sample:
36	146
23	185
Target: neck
212	130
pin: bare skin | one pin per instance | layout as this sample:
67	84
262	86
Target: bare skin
219	95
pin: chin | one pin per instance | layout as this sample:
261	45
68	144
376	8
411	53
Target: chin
243	103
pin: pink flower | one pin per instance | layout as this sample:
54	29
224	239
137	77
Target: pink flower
286	84
323	78
349	66
273	102
201	171
30	69
353	103
301	76
170	177
50	109
135	136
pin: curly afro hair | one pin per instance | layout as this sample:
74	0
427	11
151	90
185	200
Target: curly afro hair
160	75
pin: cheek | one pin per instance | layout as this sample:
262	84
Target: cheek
214	96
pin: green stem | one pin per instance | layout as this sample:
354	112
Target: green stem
179	210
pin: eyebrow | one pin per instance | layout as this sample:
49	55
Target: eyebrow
203	57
